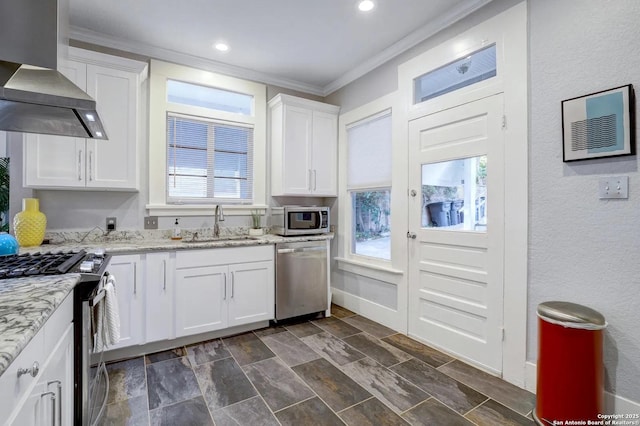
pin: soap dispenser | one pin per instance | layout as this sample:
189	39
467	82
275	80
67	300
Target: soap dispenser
177	234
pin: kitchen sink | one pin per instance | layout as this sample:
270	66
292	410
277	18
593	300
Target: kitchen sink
221	239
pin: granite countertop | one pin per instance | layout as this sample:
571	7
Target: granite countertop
27	303
137	243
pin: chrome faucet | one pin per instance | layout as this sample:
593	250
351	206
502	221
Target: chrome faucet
219	217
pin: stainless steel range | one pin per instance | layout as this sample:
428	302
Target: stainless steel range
90	383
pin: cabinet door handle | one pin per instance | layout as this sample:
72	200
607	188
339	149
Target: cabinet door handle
59	393
33	371
225	286
315	179
135	278
164	274
80	165
233	283
53	405
90	165
309	186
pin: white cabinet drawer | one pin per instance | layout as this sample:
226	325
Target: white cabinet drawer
223	256
13	388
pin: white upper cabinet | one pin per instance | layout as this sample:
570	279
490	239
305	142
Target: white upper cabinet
304	147
76	163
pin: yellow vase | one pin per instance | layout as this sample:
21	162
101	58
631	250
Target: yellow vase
30	223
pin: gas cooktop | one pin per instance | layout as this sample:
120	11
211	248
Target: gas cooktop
51	263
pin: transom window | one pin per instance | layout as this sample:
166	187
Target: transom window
471	69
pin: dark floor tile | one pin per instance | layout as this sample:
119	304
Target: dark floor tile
223	383
171	381
332	385
433	412
371	412
192	412
424	353
311	412
392	389
204	352
450	392
507	394
290	349
337	327
380	351
247	348
496	414
165	355
252	412
131	412
340	312
278	385
126	380
304	329
332	348
368	326
268	331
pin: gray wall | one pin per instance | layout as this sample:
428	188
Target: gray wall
583	249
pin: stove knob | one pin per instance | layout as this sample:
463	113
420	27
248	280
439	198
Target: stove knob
86	267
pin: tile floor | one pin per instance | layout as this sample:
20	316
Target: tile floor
340	370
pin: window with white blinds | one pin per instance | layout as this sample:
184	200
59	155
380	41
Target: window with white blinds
208	161
369	144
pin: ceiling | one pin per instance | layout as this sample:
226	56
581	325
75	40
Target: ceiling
312	46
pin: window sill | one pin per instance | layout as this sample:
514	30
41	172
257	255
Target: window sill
201	210
373	271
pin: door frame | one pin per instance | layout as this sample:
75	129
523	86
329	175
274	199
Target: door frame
509	31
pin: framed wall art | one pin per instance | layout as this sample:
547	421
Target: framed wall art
599	125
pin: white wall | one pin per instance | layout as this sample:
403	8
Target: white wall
583	249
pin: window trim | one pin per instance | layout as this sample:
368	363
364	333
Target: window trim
159	106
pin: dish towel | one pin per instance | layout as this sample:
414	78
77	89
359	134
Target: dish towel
108	317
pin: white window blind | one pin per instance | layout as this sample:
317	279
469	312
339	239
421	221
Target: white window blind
208	161
369	153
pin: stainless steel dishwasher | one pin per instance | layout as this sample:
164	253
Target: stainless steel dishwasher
301	278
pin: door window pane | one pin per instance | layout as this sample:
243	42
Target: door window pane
371	223
454	194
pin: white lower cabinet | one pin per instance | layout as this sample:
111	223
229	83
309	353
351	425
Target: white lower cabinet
127	270
226	287
166	295
158	285
46	396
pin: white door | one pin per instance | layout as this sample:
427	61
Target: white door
252	293
130	294
201	298
159	285
456	231
113	163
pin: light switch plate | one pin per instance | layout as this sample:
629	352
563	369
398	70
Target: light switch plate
111	223
151	222
613	187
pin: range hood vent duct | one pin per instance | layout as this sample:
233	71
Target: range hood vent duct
34	96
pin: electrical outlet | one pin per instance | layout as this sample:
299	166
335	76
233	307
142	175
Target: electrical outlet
151	222
111	224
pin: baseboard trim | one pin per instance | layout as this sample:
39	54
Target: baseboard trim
368	309
613	404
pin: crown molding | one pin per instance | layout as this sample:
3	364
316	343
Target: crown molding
406	43
403	45
92	37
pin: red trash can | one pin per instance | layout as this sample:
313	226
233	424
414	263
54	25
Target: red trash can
570	376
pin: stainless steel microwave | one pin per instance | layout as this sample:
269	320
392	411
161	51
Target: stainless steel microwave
299	220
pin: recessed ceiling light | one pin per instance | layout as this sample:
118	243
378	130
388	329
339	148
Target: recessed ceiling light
223	47
366	5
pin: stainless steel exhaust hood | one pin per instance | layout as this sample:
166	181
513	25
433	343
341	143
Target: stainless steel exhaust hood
35	97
